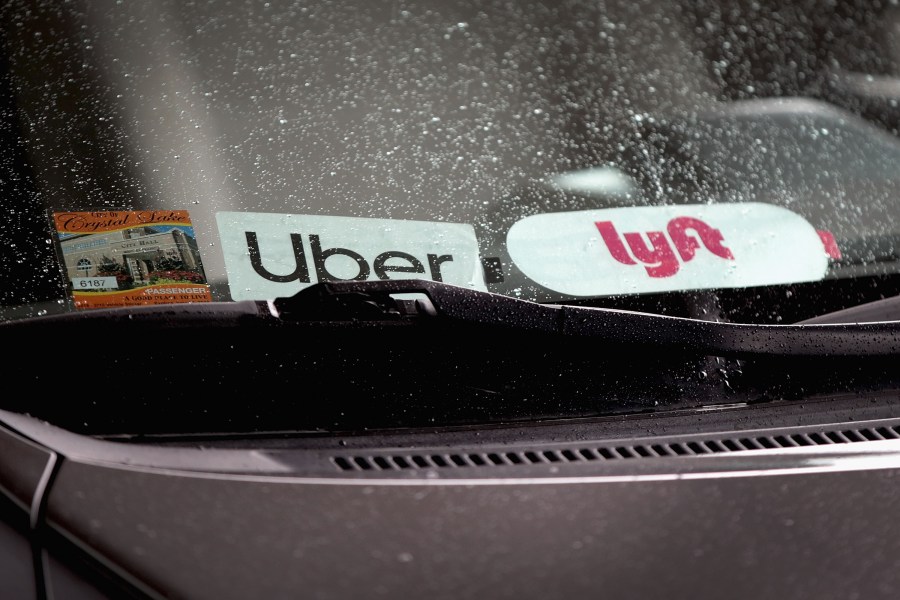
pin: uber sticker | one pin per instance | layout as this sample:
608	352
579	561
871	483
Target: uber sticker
667	248
272	255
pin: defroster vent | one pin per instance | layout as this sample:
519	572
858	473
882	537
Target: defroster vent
614	450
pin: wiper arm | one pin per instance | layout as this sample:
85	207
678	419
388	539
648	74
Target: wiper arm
376	300
886	309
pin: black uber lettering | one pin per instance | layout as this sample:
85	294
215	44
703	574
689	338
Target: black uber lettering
320	257
435	262
381	269
301	271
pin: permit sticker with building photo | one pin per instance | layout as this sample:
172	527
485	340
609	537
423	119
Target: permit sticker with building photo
130	258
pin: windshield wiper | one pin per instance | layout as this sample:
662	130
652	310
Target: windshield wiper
377	300
434	304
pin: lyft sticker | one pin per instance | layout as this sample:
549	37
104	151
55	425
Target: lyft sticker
667	248
273	255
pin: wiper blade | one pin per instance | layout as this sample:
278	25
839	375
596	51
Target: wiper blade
376	300
430	303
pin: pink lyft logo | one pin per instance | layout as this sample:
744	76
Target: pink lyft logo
659	259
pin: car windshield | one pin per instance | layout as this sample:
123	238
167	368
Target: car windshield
226	172
733	160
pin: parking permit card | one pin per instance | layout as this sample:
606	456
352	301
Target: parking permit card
130	258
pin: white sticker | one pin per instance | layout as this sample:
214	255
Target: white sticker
667	248
275	255
95	283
